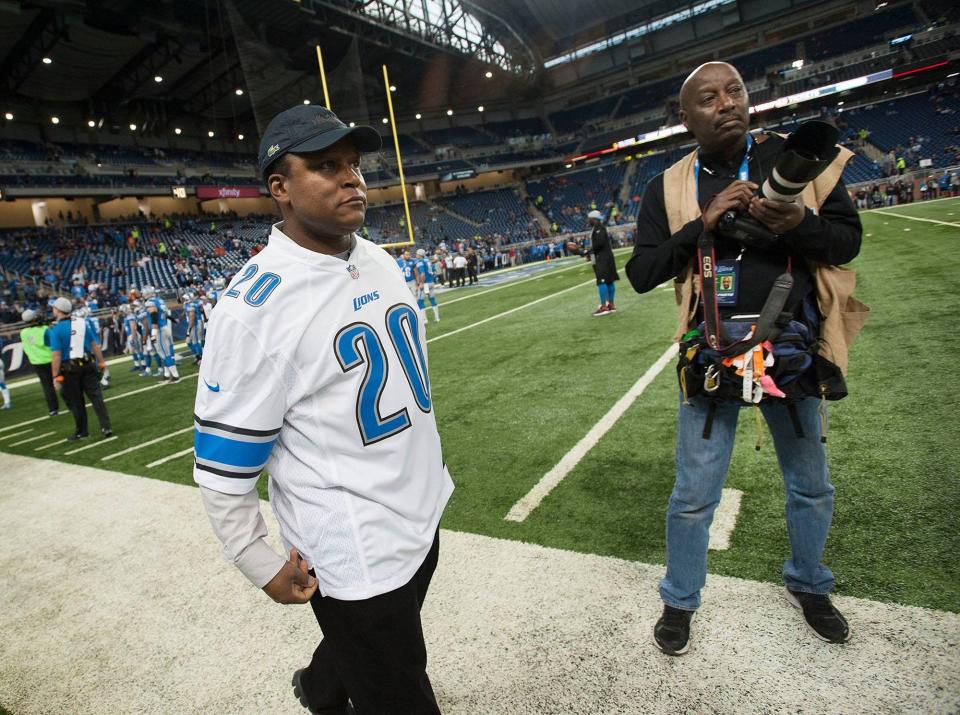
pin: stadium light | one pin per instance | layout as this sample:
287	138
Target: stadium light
385	120
240	137
157	78
8	116
238	92
54	120
47	61
393	88
210	134
839	104
489	74
419	116
91	123
177	130
133	127
353	124
306	101
797	64
480	108
449	112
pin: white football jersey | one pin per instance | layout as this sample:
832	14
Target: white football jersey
315	368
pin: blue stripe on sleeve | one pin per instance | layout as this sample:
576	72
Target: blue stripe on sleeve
233	452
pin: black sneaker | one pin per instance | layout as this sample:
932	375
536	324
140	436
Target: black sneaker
344	709
106	433
826	622
672	632
54	413
75	437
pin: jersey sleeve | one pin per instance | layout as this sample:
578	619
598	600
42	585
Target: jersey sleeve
241	401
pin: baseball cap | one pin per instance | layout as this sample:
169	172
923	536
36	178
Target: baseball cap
63	305
308	127
28	315
595	214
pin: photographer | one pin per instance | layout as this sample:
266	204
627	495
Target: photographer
680	209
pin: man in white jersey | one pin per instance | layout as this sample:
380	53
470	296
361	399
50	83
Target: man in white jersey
315	369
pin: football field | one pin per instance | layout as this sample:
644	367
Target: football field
557	428
521	373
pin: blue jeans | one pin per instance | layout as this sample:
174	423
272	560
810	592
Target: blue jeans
701	470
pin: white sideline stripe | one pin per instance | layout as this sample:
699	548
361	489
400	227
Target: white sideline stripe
91	445
106	399
144	389
725	519
512	310
17	434
925	220
918	203
30	439
541	274
112	361
52	444
522	509
169	457
145	444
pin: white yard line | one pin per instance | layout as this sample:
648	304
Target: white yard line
169	457
91	445
106	399
884	209
16	434
52	444
512	310
522	509
30	439
725	519
145	444
917	218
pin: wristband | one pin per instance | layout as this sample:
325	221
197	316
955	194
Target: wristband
102	365
58	378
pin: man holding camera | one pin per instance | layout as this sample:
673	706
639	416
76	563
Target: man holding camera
808	238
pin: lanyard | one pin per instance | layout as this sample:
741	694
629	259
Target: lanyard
743	173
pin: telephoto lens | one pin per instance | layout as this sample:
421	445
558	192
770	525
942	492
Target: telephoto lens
805	154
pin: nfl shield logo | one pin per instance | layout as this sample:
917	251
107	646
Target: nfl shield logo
354	273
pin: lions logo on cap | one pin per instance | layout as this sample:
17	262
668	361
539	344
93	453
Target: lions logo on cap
273	150
354	271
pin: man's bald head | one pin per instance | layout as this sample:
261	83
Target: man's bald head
707	69
715	107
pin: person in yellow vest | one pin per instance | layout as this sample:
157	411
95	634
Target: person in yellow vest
36	348
808	240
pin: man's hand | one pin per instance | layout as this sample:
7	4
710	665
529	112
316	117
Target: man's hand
778	216
292	584
736	196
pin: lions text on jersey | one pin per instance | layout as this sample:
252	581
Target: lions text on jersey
315	368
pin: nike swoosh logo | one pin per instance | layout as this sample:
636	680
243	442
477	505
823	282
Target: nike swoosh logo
212	388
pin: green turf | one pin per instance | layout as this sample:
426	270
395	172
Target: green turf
513	395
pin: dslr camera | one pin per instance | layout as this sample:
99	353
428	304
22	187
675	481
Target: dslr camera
806	153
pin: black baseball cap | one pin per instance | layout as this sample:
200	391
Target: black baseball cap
305	128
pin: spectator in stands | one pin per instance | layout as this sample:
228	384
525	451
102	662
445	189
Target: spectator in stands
901	165
681	209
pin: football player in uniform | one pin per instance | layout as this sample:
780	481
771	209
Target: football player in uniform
409	269
315	368
426	283
161	332
191	306
134	344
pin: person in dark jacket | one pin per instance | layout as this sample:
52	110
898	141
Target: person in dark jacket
605	268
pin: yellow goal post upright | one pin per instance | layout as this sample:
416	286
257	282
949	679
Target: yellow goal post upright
403	183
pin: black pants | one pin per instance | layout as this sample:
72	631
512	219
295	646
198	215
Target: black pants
46	382
373	652
80	383
460	272
472	272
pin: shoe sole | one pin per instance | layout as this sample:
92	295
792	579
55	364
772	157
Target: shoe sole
682	651
791	599
298	690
